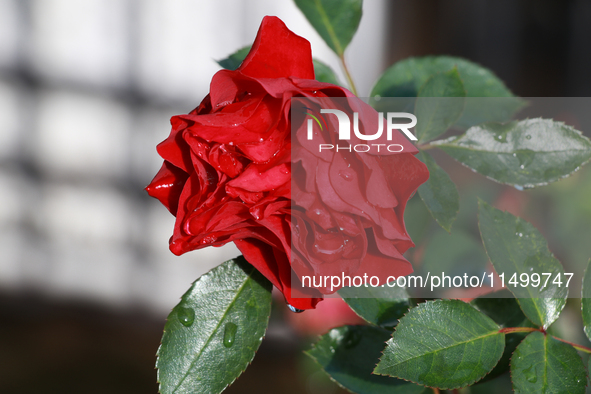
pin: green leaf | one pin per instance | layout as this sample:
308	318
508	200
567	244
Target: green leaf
335	20
541	364
505	311
439	193
527	153
586	300
348	355
324	73
382	306
405	78
434	112
213	333
234	61
515	247
445	343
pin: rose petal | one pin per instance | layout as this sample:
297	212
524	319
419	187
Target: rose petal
278	52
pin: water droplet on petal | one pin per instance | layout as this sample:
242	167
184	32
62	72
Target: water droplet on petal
261	139
346	175
294	309
209	239
186	316
230	334
230	143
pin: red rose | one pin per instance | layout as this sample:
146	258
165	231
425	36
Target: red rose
227	175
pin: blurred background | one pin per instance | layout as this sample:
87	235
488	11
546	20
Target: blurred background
87	88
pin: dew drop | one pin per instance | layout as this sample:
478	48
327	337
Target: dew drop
230	143
261	139
230	334
346	175
256	212
186	316
521	234
522	166
528	137
294	309
209	239
530	375
514	154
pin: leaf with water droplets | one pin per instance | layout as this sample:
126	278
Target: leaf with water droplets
349	354
382	306
541	364
213	333
445	343
439	193
526	153
586	300
515	247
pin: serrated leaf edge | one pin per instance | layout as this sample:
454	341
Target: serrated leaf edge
249	276
444	388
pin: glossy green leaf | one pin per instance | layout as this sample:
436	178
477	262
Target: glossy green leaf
541	364
439	193
515	247
405	78
335	20
324	73
382	306
234	61
439	104
211	336
349	354
505	311
527	153
586	300
444	343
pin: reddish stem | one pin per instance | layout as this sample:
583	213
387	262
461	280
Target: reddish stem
435	390
578	347
509	330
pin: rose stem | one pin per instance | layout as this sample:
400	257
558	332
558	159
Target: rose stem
348	75
578	347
